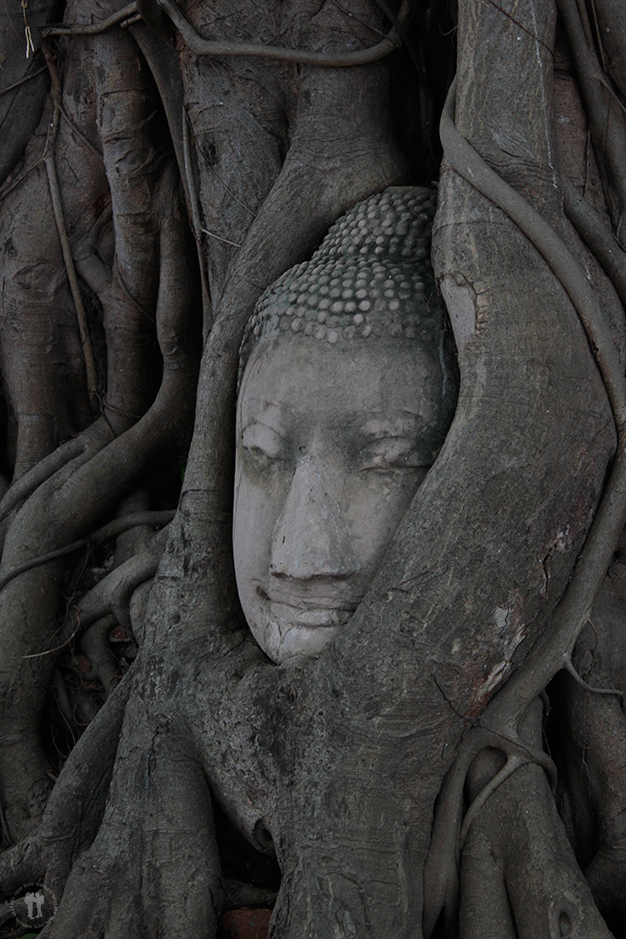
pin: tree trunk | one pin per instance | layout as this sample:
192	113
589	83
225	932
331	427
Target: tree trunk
400	778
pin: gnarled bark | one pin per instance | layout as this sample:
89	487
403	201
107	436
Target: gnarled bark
354	769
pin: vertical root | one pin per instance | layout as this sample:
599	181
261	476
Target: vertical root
605	111
192	200
513	762
57	208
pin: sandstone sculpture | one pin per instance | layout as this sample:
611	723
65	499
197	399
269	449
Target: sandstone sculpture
348	383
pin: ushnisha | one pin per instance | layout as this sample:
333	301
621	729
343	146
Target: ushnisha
371	276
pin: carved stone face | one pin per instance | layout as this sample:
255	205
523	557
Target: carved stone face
333	441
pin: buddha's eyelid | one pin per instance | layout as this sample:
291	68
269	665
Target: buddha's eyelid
397	442
405	424
406	438
394	450
259	436
405	459
255	423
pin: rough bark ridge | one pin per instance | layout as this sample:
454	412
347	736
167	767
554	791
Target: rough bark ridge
401	778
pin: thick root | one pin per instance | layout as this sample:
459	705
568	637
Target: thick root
519	841
68	505
520	877
517	857
156	841
74	811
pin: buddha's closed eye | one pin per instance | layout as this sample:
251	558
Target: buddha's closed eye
392	453
261	443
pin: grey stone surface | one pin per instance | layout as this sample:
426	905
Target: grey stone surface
347	391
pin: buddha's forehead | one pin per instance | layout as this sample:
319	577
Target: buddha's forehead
393	385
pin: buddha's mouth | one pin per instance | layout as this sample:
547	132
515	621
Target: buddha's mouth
310	611
310	616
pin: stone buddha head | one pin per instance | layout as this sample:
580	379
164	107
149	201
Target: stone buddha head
348	385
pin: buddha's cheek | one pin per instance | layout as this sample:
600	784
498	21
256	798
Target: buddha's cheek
373	507
258	503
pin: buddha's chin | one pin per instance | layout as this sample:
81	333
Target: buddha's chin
283	641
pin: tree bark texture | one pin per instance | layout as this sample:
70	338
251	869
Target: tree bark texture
188	183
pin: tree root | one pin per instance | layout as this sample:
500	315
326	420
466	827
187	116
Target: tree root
147	569
568	665
451	828
63	506
597	236
194	213
590	745
107	533
57	208
503	713
505	710
165	68
134	853
63	702
74	811
114	20
513	762
606	876
22	81
199	46
113	593
469	164
92	439
46	409
95	645
605	111
519	865
610	19
519	877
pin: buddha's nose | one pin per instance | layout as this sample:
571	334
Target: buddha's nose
310	537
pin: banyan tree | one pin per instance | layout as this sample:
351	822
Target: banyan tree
356	270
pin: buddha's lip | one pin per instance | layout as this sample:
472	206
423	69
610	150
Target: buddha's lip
314	596
311	614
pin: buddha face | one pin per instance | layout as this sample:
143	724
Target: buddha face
333	442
